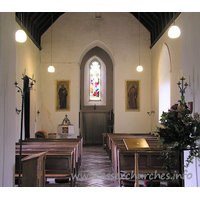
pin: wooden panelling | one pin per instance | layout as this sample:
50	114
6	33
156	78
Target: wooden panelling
95	125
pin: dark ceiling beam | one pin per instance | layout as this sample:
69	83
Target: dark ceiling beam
35	24
145	21
152	23
28	33
42	21
32	18
157	25
165	29
162	21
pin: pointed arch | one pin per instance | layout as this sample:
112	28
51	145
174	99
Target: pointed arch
106	80
99	44
165	70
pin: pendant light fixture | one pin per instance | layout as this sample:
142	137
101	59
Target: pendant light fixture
51	68
20	35
174	31
139	67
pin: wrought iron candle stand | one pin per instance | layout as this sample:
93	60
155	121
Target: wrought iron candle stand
182	86
23	93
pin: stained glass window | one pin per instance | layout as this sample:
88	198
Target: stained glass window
95	80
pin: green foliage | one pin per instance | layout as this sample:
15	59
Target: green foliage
179	132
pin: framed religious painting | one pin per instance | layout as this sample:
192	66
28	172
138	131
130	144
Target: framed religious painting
62	95
132	95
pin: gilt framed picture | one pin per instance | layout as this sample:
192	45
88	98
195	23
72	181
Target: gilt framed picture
132	95
62	95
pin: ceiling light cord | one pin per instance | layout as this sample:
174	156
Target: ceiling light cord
139	67
51	36
139	36
51	68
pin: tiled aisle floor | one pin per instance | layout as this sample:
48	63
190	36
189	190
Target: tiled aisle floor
96	169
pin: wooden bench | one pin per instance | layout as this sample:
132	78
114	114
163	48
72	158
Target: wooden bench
113	136
52	148
73	141
148	162
67	150
34	170
123	159
58	163
115	141
58	144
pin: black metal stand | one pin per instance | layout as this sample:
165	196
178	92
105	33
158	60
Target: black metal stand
23	93
181	159
182	87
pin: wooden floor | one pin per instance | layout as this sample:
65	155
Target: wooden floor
95	170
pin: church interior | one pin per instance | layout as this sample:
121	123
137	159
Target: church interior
93	112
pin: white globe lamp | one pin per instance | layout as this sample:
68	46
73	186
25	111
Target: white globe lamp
174	32
20	36
51	69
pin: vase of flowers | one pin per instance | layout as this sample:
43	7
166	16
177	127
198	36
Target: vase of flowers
180	131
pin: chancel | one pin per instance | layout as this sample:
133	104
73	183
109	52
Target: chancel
93	121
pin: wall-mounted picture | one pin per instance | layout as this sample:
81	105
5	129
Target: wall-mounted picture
132	95
62	95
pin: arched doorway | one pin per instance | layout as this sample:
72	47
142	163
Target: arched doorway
164	80
94	113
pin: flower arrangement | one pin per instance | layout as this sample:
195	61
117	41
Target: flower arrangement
179	132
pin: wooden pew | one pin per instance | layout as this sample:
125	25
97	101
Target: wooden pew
57	144
34	170
119	144
59	164
113	136
51	147
148	164
148	159
79	142
57	150
117	139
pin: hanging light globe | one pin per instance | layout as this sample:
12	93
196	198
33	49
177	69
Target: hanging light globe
51	69
20	36
174	32
139	68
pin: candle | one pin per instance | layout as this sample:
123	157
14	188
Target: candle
32	77
185	79
15	78
24	72
189	80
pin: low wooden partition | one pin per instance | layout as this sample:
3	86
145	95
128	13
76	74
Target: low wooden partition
123	160
63	156
34	170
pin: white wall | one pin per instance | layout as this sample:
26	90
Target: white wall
28	58
184	54
190	60
174	47
118	34
7	99
14	58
